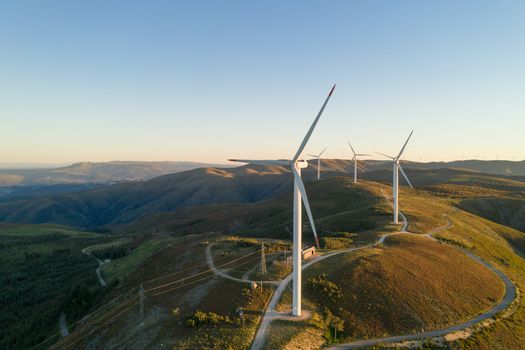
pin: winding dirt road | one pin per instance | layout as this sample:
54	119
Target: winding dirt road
270	313
101	263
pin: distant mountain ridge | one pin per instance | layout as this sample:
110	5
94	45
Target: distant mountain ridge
126	202
494	167
96	172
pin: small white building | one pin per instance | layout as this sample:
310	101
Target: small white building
308	253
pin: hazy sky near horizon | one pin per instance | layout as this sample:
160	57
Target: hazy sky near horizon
209	80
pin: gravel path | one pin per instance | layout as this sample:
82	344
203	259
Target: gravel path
101	263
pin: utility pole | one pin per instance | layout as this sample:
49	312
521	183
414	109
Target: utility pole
263	261
240	312
142	297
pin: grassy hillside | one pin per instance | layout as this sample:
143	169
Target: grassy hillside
186	306
508	212
366	213
43	273
431	178
128	202
494	167
502	246
410	283
14	193
389	290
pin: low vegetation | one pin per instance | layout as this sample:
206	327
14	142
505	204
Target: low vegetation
43	273
201	318
335	242
409	284
324	287
132	256
505	211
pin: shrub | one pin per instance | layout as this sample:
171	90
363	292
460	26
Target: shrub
175	312
201	318
335	242
332	322
321	284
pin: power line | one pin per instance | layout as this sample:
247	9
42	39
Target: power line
114	317
130	302
200	273
193	282
148	290
87	327
78	321
175	273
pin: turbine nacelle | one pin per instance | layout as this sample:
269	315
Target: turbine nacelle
301	164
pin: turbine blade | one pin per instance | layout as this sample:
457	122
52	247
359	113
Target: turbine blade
363	155
385	155
323	151
351	147
311	130
300	185
262	162
402	149
405	175
311	155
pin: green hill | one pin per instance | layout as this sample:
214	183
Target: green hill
508	212
366	212
408	284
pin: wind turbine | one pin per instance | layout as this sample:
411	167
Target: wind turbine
355	160
395	179
299	193
318	162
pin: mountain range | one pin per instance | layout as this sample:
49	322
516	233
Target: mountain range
95	172
126	202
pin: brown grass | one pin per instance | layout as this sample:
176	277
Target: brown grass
410	284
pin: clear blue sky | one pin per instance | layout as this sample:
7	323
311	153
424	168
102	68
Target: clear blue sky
209	80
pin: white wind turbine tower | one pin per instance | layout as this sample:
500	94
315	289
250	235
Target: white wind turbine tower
355	160
395	178
299	194
318	162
